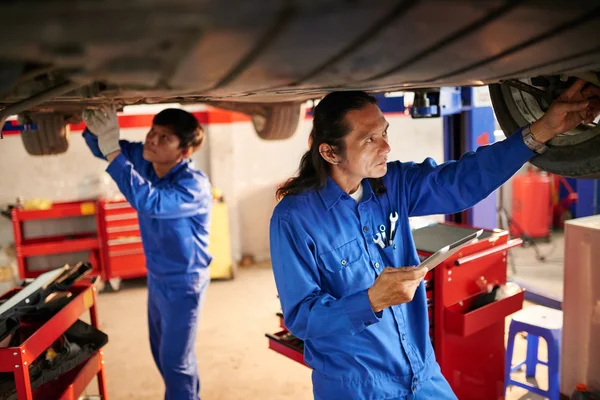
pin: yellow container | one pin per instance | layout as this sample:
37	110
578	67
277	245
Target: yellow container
222	265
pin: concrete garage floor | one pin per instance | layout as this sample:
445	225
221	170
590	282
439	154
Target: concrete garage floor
233	357
234	360
545	277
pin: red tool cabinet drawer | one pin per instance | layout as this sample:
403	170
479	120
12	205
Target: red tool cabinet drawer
130	229
119	220
131	265
124	246
290	346
116	207
462	322
114	212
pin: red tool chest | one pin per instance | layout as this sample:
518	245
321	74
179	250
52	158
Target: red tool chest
468	343
121	253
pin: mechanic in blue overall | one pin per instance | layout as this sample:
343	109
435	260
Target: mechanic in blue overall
173	202
361	309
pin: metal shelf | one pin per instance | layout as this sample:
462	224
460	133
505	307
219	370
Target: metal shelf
71	385
58	247
58	210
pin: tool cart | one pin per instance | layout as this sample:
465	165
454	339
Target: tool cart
466	320
46	351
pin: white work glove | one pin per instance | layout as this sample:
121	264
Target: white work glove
104	124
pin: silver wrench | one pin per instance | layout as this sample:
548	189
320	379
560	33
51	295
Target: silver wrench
393	219
378	241
382	230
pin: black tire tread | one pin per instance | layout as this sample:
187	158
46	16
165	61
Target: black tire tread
578	161
51	136
282	121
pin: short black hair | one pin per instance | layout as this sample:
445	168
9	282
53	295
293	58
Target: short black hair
184	125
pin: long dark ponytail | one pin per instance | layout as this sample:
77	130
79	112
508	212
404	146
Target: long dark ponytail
330	127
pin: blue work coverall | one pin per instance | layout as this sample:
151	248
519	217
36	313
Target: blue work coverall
324	261
174	216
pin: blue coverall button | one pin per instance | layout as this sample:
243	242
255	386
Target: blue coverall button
366	228
343	262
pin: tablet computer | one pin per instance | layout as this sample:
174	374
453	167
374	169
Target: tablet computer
447	251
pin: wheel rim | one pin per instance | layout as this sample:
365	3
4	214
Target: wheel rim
525	109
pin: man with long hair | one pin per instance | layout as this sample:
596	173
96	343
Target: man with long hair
360	306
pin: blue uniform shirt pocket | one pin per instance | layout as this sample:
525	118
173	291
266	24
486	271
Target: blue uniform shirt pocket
392	256
345	269
342	257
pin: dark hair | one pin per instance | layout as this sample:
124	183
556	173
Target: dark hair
184	125
330	127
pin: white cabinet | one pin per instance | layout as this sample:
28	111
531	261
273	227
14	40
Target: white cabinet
580	355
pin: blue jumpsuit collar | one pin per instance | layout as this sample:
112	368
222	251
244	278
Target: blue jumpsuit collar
182	164
332	192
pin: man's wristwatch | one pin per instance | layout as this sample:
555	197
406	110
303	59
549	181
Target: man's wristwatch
530	141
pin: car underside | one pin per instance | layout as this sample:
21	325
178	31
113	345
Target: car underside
266	58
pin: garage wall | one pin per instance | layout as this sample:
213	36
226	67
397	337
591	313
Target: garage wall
69	176
248	170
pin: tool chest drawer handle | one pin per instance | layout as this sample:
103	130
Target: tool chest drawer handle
123	228
120	217
120	253
494	250
122	241
116	206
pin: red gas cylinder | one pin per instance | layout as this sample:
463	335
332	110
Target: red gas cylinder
531	204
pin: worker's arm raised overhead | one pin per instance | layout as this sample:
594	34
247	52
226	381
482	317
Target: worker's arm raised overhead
456	185
186	196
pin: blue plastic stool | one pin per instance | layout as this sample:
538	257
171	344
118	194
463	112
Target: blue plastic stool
538	322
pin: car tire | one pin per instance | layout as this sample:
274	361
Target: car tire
278	121
576	154
50	137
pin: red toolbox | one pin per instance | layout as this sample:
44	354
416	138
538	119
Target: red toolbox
121	253
468	343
